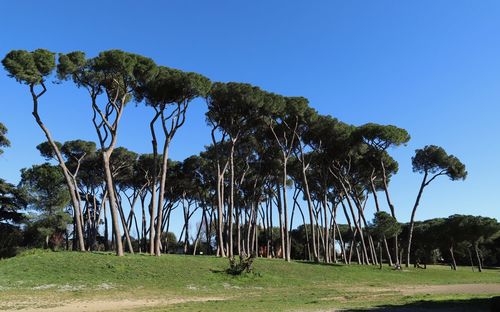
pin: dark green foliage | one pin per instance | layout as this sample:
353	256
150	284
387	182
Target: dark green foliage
11	237
47	230
234	107
70	64
46	191
384	225
434	160
47	151
243	265
433	239
471	228
173	86
30	68
77	149
4	142
115	72
12	201
169	241
430	240
382	137
45	186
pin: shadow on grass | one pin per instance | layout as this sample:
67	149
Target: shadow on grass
481	304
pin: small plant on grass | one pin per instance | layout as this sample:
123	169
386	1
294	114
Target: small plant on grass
244	265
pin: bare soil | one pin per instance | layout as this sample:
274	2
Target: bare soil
98	305
88	305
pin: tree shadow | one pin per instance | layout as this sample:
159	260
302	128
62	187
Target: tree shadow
459	305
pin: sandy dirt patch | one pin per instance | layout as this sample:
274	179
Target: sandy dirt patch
100	305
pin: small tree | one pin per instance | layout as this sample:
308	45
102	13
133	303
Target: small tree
432	161
382	227
47	193
12	201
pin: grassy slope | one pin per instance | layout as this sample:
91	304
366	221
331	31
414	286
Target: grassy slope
66	276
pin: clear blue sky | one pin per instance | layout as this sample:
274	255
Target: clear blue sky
432	67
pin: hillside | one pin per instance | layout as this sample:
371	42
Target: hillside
70	281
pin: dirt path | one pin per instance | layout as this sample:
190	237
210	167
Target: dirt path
103	305
123	305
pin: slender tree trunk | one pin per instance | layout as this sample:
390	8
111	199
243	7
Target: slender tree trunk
380	254
453	263
286	247
106	231
280	217
238	229
154	178
161	197
412	219
125	229
375	198
220	205
393	212
342	244
73	189
479	262
311	213
327	232
231	200
112	202
470	258
358	228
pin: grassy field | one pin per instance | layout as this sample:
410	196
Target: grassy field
42	280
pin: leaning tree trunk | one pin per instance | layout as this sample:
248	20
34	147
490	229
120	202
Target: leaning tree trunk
453	263
479	262
161	198
386	246
327	231
311	214
470	258
412	219
112	203
393	213
152	204
69	182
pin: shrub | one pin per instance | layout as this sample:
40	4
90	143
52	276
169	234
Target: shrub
245	264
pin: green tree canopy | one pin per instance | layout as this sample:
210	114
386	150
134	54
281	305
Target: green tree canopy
434	160
384	225
30	68
4	142
46	188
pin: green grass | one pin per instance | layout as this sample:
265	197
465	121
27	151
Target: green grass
276	285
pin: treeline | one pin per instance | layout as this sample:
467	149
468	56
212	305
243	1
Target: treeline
272	157
455	240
